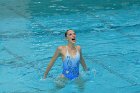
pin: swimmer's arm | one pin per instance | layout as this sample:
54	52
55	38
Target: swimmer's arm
55	56
83	61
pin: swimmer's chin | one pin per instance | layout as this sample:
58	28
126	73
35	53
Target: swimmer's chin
73	42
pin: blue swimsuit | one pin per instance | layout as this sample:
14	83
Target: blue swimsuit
71	65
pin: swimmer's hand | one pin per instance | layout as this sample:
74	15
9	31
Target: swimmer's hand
44	77
87	69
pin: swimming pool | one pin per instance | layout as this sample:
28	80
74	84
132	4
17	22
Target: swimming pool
108	32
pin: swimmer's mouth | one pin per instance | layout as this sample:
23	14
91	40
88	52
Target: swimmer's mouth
73	39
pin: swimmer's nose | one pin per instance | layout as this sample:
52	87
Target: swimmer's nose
74	36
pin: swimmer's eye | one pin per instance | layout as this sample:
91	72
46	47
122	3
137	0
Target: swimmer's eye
70	34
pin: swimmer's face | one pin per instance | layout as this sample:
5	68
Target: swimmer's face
71	36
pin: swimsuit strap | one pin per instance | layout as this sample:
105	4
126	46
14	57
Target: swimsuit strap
77	50
67	52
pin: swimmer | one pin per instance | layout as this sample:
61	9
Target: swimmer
71	58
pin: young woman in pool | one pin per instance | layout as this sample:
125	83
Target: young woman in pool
71	57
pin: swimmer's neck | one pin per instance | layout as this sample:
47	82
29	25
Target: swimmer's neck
71	45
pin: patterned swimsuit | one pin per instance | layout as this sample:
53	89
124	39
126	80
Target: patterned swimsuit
71	65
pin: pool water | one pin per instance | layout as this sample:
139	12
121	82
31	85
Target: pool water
107	31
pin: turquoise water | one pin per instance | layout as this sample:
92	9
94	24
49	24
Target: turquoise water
107	31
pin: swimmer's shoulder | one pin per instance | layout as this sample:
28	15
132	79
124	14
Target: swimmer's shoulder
78	47
60	48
